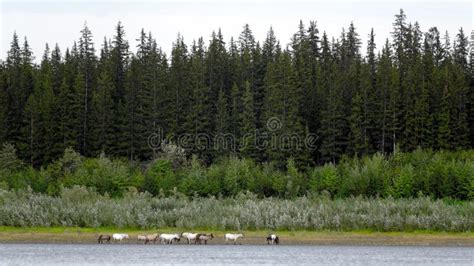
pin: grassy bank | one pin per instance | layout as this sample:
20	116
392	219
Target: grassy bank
78	235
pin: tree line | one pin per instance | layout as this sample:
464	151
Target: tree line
417	91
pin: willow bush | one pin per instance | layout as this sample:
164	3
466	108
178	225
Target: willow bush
79	206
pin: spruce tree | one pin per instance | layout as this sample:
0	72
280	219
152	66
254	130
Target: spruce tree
199	118
225	142
119	62
87	65
248	127
102	115
331	131
179	86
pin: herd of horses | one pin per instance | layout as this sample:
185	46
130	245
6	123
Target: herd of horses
191	238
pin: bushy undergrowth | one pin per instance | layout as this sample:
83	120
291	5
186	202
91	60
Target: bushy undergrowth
440	174
79	206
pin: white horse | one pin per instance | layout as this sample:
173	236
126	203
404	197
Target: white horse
233	237
169	238
273	239
190	237
120	237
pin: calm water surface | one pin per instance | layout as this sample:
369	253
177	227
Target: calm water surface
52	254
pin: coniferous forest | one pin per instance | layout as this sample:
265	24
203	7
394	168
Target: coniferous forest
412	95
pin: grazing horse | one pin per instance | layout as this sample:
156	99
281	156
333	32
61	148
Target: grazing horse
233	237
190	237
273	239
103	238
120	237
203	238
169	238
149	238
141	238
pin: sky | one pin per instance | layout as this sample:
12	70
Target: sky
61	21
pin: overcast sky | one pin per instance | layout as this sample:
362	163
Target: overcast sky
61	21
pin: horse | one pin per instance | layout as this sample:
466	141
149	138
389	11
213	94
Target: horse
189	237
203	237
103	238
233	237
149	238
273	239
120	237
141	238
169	238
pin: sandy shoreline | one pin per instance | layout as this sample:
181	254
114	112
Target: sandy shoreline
89	236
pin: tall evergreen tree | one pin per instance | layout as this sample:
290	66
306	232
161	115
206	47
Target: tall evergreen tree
87	65
119	62
179	86
199	118
102	115
332	112
248	128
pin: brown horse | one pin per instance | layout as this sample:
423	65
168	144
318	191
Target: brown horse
103	238
203	238
149	238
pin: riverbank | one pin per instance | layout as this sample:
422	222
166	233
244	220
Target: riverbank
76	235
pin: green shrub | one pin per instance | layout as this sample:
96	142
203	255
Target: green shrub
160	178
440	174
403	182
325	178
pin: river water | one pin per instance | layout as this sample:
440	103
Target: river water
124	254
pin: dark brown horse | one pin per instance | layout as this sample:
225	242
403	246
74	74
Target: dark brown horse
273	239
200	238
104	238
